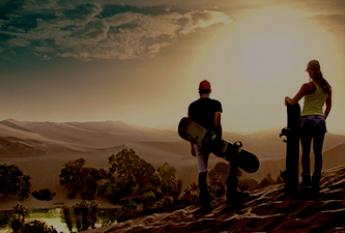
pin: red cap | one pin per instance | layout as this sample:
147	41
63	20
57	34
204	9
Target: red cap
205	85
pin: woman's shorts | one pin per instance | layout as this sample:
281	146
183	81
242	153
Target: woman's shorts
313	125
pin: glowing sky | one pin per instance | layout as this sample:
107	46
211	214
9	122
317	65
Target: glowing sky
141	62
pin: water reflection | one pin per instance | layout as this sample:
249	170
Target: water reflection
64	219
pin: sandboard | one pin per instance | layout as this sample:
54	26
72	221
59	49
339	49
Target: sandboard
207	140
291	132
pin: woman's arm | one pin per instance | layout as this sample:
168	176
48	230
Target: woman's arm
328	104
306	89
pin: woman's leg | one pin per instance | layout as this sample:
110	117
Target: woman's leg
317	147
306	144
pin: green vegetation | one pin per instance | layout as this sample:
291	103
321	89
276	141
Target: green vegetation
14	182
137	188
217	178
128	175
38	227
79	179
18	224
130	182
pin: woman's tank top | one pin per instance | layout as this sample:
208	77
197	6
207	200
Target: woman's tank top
314	102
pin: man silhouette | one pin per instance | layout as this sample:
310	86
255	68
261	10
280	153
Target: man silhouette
207	112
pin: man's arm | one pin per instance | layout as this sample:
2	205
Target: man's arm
218	124
192	151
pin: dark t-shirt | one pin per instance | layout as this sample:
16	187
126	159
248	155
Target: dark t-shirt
203	110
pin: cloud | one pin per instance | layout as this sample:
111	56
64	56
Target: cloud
331	19
89	31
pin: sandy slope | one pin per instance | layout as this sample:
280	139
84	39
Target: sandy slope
267	210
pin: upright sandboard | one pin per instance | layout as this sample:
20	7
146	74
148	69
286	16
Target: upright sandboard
292	134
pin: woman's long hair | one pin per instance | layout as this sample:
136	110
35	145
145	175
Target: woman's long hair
314	68
322	82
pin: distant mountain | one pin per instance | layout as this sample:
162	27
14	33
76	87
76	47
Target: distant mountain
87	134
52	144
267	145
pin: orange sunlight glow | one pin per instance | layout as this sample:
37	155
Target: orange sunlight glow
258	59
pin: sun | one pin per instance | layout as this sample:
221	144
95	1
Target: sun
265	46
267	43
259	58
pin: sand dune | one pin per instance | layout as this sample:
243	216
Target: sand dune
335	157
267	210
49	145
75	135
12	147
87	134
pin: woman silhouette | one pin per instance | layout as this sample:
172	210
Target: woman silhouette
316	93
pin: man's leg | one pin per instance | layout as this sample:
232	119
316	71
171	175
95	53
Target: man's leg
232	182
233	196
204	196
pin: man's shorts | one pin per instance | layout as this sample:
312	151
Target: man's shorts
202	158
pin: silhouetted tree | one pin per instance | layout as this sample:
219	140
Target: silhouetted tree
93	214
68	218
128	211
89	185
79	179
13	181
217	188
217	178
70	176
85	213
170	185
24	188
219	173
190	195
128	174
78	218
18	218
149	198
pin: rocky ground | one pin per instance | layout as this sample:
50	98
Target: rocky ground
267	210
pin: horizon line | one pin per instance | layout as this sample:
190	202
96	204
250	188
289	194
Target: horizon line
171	128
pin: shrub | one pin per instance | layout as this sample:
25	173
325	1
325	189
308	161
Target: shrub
13	181
43	195
38	227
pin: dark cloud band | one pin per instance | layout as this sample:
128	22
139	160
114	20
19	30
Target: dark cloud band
88	31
